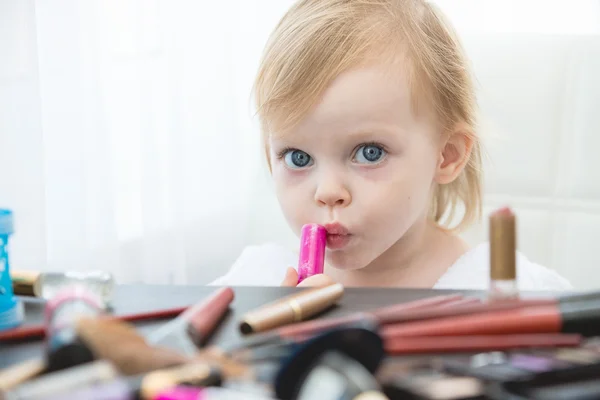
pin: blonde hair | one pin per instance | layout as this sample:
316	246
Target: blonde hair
316	40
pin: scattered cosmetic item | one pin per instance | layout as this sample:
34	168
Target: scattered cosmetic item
103	382
207	393
401	345
336	376
503	256
39	331
191	329
11	308
197	374
17	374
293	308
117	389
64	381
427	383
579	317
314	327
276	351
121	344
313	240
420	310
409	345
531	374
348	358
47	284
64	349
497	366
578	382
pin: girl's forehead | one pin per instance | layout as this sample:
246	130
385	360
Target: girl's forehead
361	99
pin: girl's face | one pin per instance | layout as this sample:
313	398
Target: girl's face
361	163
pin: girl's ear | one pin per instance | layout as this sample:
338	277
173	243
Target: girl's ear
454	154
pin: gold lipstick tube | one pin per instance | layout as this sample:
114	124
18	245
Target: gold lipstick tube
290	309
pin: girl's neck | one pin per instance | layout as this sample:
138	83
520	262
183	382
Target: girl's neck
418	259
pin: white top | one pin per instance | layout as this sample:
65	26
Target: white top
266	265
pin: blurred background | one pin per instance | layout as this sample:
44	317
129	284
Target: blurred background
128	141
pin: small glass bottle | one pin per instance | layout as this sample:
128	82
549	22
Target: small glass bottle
47	284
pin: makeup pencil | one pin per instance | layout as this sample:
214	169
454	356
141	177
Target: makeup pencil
472	343
582	317
39	332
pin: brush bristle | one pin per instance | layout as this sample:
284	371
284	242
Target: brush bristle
119	343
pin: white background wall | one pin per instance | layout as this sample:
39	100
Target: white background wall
127	140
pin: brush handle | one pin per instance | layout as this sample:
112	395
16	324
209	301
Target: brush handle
441	344
39	332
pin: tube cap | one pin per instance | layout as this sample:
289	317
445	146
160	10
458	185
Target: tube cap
6	222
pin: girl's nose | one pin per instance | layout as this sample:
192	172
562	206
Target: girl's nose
333	194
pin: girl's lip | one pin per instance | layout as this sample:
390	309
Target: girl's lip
336	242
336	228
338	235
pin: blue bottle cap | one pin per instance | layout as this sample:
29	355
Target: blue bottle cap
6	222
11	309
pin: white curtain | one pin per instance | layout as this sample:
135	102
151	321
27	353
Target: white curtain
127	135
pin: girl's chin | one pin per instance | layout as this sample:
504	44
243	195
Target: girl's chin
343	261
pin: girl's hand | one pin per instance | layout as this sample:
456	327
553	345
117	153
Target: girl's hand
291	279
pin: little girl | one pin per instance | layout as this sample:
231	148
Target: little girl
368	118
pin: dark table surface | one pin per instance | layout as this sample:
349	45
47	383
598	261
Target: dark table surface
141	298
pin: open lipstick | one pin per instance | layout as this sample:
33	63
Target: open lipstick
312	251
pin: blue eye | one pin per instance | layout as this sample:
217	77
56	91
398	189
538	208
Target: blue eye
369	154
297	159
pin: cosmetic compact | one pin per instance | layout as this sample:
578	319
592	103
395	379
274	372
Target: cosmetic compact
337	365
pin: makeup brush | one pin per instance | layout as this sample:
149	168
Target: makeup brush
19	373
580	317
121	344
424	309
100	381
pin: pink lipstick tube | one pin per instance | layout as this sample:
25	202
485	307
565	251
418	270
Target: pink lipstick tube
312	251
